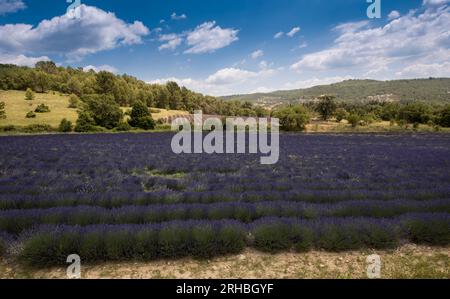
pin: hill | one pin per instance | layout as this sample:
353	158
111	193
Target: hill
16	108
433	90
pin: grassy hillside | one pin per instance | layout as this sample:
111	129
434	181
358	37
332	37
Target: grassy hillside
430	90
17	108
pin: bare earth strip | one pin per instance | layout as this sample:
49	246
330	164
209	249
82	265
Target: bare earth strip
409	261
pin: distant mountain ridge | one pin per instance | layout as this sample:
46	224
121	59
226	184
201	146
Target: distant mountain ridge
436	90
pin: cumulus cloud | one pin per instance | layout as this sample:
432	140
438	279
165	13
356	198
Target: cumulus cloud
104	67
96	30
21	60
176	17
418	38
224	81
10	6
171	41
435	2
293	32
393	15
257	54
209	37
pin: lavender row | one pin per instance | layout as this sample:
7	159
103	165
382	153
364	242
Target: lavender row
16	221
50	245
119	199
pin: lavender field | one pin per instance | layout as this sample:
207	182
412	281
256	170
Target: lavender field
128	197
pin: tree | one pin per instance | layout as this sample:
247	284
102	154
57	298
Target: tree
41	81
65	126
293	118
31	114
444	117
74	101
341	114
29	95
104	110
42	108
2	110
326	106
141	117
48	67
415	112
85	122
106	82
354	119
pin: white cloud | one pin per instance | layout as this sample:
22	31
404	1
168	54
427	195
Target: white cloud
96	30
418	38
208	37
21	60
229	76
10	6
104	67
172	41
224	81
174	16
435	2
257	54
293	32
278	35
426	70
393	15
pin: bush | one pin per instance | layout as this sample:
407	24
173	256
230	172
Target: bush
74	101
341	114
444	117
104	111
123	127
85	122
432	232
65	126
415	112
8	128
294	118
38	128
2	110
42	108
354	120
140	117
29	95
272	237
30	114
173	241
302	238
326	107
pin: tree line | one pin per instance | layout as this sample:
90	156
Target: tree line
124	90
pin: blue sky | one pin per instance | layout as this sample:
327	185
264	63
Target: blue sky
224	47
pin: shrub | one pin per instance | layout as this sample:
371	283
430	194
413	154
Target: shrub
415	112
74	101
272	237
354	120
123	127
65	126
104	111
302	238
8	128
2	110
93	246
341	114
140	117
85	122
326	106
339	238
119	245
37	128
42	108
444	117
231	240
203	242
29	95
173	241
294	118
432	232
147	245
30	114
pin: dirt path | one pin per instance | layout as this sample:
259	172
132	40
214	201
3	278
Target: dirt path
410	261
